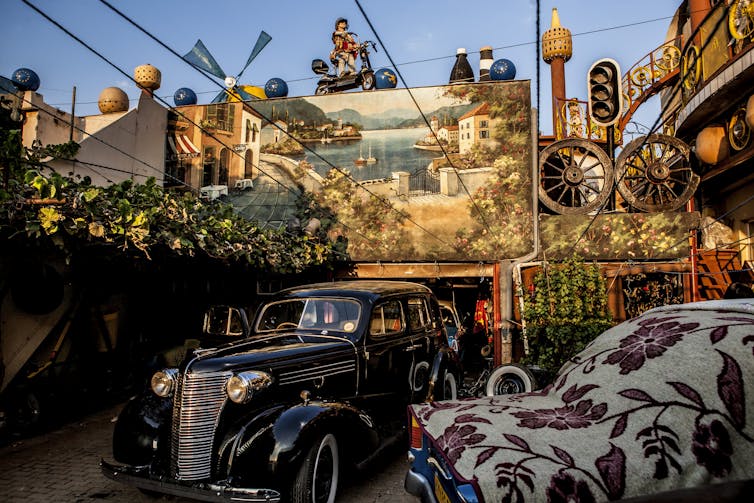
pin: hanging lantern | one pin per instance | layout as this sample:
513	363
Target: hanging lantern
712	144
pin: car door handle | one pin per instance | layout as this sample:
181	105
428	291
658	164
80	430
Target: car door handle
412	347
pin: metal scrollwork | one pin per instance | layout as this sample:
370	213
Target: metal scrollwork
741	19
641	76
576	176
669	60
654	173
692	69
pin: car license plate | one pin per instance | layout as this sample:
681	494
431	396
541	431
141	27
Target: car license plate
440	494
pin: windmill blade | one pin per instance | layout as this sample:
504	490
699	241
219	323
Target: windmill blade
244	95
262	41
200	57
221	97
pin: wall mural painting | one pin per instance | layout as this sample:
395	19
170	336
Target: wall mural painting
394	188
622	236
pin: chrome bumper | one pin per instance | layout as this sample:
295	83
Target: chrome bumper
418	485
138	476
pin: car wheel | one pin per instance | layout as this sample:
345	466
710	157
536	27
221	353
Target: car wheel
509	379
317	478
418	376
449	390
321	90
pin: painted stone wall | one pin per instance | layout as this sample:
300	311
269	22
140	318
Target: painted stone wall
618	236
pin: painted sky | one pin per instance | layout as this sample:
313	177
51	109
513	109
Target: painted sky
420	36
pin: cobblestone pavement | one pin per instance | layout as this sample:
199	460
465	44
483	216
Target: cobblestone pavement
63	466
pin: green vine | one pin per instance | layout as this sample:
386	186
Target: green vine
566	309
140	221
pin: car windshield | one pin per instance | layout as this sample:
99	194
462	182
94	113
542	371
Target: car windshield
331	314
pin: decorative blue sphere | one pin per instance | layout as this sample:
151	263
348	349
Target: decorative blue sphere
25	79
184	96
276	88
503	69
385	78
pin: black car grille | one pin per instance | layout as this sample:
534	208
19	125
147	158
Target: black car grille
199	400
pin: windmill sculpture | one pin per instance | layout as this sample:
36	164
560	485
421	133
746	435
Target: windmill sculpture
201	58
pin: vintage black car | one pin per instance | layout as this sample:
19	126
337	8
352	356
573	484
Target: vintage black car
321	382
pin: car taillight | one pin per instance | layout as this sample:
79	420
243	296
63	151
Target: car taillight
414	432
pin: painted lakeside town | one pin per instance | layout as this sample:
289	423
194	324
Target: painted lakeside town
353	287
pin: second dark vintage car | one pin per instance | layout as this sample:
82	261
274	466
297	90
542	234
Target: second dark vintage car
321	382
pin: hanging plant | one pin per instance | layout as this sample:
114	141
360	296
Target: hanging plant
565	310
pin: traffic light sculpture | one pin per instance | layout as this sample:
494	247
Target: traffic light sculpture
605	93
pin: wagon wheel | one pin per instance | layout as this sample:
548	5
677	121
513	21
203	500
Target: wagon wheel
575	176
654	173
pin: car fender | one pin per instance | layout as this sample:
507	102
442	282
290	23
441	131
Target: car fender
280	437
142	429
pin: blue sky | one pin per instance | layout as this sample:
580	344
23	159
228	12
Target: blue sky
421	37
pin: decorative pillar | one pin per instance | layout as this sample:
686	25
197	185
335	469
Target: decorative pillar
698	10
557	48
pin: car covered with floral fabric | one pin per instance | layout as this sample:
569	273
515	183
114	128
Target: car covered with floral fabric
659	407
322	380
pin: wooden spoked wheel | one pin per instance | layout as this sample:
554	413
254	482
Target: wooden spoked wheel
653	173
575	176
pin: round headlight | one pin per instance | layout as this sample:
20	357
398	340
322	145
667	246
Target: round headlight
242	386
163	382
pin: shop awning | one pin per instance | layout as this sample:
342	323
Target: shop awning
183	147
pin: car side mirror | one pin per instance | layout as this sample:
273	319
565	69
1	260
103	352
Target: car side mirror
225	321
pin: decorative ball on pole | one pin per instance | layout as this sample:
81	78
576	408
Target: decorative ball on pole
112	100
148	77
276	88
502	69
25	79
385	78
184	96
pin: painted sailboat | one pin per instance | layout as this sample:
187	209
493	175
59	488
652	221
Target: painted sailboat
360	161
370	159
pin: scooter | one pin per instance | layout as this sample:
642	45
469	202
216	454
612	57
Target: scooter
331	83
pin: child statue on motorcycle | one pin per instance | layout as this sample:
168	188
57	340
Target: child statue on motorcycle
344	53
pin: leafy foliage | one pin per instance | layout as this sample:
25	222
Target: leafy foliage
141	221
375	229
566	310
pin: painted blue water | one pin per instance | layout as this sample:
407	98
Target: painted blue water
393	149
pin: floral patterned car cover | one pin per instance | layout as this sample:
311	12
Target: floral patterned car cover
660	402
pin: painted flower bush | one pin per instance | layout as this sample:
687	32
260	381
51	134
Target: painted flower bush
374	227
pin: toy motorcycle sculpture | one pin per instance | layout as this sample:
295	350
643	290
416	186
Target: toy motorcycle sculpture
331	83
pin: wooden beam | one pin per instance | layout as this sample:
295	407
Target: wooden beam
421	270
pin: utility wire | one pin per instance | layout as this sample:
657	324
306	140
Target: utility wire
107	144
677	89
383	200
440	58
70	34
408	89
210	134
